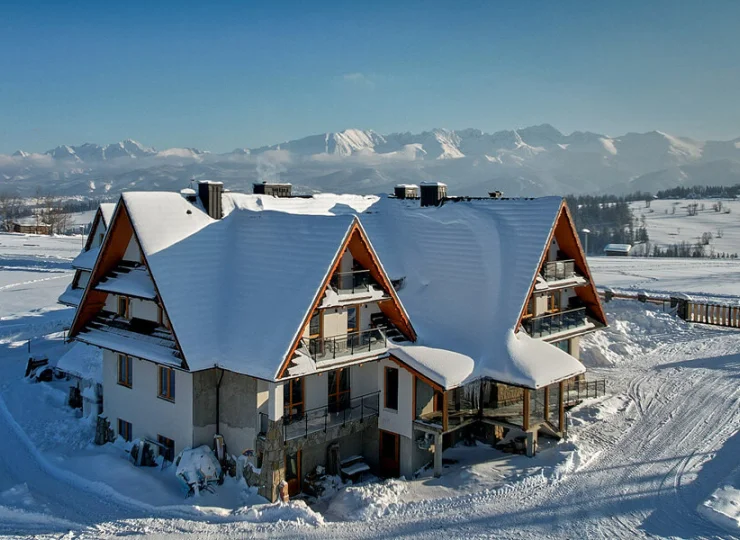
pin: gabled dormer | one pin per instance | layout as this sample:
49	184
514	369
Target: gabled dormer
121	309
356	313
563	301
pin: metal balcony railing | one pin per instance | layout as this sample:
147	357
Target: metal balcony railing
557	270
351	282
345	345
322	418
546	325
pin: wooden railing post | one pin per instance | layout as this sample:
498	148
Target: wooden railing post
525	410
445	411
547	404
561	407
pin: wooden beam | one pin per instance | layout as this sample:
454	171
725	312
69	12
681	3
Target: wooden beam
525	410
417	374
445	412
547	404
561	407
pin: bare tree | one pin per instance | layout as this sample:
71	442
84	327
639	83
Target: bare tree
10	206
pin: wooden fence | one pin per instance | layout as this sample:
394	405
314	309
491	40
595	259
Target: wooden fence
688	309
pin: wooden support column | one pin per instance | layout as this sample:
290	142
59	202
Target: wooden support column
445	410
437	455
561	407
547	404
525	410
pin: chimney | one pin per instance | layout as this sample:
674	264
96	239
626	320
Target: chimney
432	193
406	191
273	189
496	194
189	195
210	196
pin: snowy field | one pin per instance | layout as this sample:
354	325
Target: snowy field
668	222
701	277
657	457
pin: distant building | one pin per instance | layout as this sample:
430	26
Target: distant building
30	227
617	250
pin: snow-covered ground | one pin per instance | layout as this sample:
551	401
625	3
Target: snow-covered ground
708	277
658	457
668	222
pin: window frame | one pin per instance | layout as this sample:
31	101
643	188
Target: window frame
128	363
169	391
386	393
125	430
169	445
126	306
356	328
337	392
289	404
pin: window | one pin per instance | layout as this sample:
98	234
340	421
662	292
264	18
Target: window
123	306
563	345
124	429
352	320
338	390
293	406
166	383
391	388
125	365
315	344
530	307
168	452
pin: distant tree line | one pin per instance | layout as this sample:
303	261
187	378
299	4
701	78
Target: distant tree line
699	192
609	219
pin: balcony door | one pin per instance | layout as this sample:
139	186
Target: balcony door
339	390
293	473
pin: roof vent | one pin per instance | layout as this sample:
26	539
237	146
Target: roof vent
406	191
496	194
433	193
274	189
189	195
210	196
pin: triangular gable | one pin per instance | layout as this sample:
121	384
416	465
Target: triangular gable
564	232
115	243
96	221
357	242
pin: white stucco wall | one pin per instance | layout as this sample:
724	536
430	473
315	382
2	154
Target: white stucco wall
148	414
316	390
399	421
364	379
133	253
143	309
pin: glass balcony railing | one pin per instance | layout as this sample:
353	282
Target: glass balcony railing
557	270
323	418
351	282
329	348
546	325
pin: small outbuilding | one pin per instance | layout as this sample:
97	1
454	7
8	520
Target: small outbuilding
617	250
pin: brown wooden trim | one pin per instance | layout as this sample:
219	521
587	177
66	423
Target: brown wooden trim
546	406
561	407
445	411
525	410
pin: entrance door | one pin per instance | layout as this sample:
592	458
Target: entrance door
390	465
293	473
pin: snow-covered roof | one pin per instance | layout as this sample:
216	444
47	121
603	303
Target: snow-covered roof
255	275
618	247
446	368
70	296
83	361
324	204
86	259
135	282
106	211
468	268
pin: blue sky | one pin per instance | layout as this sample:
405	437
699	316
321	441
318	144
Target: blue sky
239	74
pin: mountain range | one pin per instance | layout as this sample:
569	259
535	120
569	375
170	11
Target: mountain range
535	160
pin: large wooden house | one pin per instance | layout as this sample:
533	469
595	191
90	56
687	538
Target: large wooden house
336	330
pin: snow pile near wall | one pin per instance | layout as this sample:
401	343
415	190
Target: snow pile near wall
723	507
368	501
634	329
294	511
83	361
